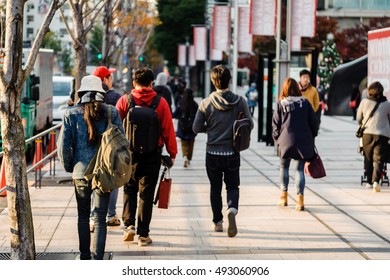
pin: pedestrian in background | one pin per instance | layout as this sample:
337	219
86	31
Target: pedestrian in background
78	143
251	96
355	100
294	126
111	97
185	113
376	134
162	89
308	91
215	116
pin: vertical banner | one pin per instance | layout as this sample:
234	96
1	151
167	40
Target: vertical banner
200	43
295	43
379	58
221	28
181	55
262	17
303	18
191	56
216	55
244	37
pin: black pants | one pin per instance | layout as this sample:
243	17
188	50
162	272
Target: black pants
143	181
375	149
226	168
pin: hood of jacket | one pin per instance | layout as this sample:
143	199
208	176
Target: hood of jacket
290	103
224	101
143	95
161	79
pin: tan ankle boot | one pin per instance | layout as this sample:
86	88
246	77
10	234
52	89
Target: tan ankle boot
283	199
300	205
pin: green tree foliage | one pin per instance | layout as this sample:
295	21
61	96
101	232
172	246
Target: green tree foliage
95	46
66	61
51	41
177	18
330	60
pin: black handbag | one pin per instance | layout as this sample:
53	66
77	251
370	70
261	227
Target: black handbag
362	127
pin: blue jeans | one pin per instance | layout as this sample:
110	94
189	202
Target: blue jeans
226	169
111	205
299	175
101	206
83	197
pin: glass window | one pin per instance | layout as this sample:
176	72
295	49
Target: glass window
30	19
30	31
345	4
376	4
61	88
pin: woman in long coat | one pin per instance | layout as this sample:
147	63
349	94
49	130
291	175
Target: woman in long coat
294	127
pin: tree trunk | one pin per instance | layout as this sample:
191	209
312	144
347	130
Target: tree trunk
19	207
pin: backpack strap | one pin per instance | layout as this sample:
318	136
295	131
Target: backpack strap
109	114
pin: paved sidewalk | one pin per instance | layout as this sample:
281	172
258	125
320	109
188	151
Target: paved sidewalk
343	220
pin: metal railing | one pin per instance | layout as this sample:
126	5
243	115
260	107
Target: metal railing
37	166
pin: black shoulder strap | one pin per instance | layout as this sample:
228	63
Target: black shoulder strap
155	102
372	113
130	100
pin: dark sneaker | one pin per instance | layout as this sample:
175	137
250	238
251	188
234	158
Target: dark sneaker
129	233
114	222
144	241
232	227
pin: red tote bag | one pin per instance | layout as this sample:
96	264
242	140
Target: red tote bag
315	168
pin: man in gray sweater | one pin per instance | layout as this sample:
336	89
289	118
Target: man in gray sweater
215	116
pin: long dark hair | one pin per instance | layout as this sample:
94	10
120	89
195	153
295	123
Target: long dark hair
93	112
186	101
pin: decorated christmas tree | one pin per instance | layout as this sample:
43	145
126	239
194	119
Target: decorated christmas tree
330	60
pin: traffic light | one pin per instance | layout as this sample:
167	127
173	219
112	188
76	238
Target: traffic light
141	58
99	56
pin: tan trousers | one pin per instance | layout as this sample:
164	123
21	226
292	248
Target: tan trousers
187	146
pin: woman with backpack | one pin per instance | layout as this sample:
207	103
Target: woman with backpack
77	145
185	113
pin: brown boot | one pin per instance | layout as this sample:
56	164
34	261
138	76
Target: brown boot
283	199
300	206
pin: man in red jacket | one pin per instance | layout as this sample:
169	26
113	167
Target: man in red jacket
146	167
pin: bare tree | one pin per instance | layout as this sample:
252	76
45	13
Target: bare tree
84	15
12	77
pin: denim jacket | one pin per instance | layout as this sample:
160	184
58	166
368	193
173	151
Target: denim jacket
73	149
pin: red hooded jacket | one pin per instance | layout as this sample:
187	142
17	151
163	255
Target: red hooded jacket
146	95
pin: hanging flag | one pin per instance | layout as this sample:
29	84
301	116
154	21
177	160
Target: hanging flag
181	55
216	55
200	43
262	17
244	37
191	56
303	18
221	28
295	43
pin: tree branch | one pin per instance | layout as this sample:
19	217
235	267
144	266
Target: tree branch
39	38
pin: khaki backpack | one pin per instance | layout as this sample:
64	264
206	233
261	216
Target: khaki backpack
111	166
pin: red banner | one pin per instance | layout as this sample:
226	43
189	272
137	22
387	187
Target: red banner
221	28
244	37
262	17
200	43
303	18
